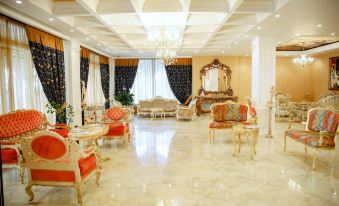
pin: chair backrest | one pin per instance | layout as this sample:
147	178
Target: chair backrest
19	123
116	113
50	157
322	119
229	111
328	94
281	97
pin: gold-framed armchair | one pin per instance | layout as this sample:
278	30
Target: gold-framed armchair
281	104
319	133
186	112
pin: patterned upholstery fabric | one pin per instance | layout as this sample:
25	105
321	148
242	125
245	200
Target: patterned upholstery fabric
168	105
311	139
19	122
229	112
116	113
323	120
48	147
226	124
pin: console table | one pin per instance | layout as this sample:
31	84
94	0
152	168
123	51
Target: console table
210	100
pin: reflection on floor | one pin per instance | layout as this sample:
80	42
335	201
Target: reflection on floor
172	163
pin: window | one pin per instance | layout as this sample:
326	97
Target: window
19	83
95	95
151	80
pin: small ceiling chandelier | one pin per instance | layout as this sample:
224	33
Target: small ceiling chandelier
303	59
165	45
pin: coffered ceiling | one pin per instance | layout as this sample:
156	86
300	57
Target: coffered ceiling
206	27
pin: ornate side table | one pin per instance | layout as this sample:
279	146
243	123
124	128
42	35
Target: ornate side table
157	111
252	133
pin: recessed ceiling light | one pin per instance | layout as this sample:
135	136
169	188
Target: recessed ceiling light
99	44
18	2
277	15
51	19
228	47
258	27
72	30
298	34
87	38
245	36
235	42
319	25
332	34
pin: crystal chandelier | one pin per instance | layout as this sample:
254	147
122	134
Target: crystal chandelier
303	60
165	45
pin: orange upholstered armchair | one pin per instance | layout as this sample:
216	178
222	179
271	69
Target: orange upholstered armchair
320	131
228	114
13	126
117	119
53	160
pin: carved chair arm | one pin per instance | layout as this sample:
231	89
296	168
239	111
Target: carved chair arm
88	152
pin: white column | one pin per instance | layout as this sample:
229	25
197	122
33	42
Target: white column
263	69
73	89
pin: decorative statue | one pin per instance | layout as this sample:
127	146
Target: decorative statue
83	94
270	105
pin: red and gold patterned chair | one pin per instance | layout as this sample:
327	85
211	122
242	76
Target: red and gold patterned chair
320	131
53	160
117	119
226	115
14	126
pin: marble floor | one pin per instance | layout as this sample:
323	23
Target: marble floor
171	162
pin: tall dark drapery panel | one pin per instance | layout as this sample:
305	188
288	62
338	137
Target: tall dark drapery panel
104	73
125	72
48	57
84	66
179	77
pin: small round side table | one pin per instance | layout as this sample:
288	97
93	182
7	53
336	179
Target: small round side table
251	132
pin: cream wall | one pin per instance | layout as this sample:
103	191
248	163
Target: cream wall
290	78
241	73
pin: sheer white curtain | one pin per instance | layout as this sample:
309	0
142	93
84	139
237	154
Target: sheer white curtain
19	83
151	80
95	95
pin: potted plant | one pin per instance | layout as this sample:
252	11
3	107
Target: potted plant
63	112
125	98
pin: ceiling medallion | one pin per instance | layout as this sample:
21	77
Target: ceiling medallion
165	45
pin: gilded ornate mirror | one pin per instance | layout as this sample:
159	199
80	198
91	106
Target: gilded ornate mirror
216	79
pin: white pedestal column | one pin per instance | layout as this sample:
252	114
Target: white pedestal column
263	69
73	89
263	78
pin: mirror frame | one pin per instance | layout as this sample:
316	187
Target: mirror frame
216	64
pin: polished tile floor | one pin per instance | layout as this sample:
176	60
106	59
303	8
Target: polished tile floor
171	162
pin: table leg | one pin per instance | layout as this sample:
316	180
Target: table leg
101	157
239	143
234	143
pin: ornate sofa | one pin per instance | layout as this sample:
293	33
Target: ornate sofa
228	114
169	106
320	131
186	112
281	104
329	101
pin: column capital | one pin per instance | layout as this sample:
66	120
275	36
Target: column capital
264	41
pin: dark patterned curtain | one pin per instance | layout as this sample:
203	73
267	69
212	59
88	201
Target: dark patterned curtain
48	57
104	73
125	72
179	77
84	67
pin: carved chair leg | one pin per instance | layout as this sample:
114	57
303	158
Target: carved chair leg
213	135
22	173
129	137
29	191
97	176
210	134
78	187
285	143
332	159
314	158
305	149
